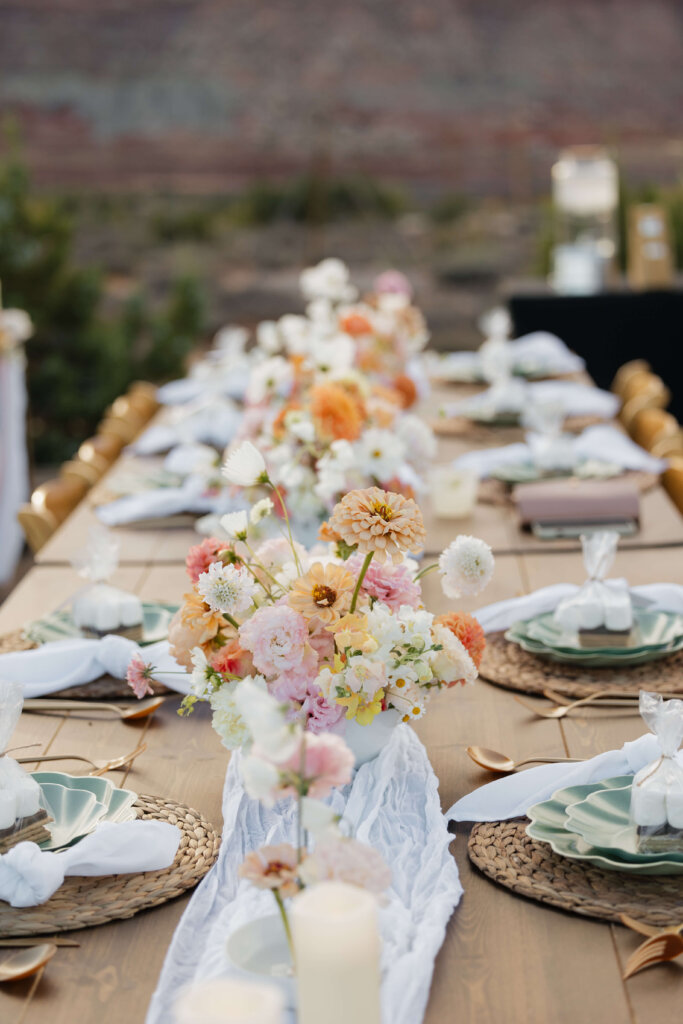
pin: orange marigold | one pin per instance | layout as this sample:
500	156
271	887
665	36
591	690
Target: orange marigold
335	413
468	631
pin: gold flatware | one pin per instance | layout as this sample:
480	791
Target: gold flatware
140	710
649	929
601	695
565	709
99	767
657	949
26	963
494	761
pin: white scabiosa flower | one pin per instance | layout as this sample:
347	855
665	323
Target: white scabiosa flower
235	525
260	510
245	466
227	588
466	566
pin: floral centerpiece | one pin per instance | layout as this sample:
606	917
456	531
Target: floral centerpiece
339	632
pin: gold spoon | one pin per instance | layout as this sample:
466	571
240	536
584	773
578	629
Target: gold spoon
494	761
27	962
139	710
563	710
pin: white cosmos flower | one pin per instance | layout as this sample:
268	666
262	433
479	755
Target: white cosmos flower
300	425
235	525
295	330
328	280
260	510
466	566
245	466
268	337
227	588
379	453
333	355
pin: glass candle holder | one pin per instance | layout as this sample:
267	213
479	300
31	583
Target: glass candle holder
453	492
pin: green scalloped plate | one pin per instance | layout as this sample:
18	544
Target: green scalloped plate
603	820
60	625
79	803
548	824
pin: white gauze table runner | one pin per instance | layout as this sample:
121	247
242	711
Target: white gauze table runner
392	804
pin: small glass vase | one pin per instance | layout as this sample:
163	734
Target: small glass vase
258	951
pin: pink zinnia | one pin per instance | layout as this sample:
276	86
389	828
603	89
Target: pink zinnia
201	556
138	676
276	635
393	585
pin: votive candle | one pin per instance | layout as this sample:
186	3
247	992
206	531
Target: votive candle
229	1001
337	953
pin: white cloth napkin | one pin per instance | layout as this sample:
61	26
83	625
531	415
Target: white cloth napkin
501	614
392	804
64	663
213	380
192	497
213	421
603	442
573	398
512	796
539	351
185	459
29	875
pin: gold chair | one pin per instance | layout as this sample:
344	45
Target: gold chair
59	496
100	451
81	470
122	430
143	398
38	525
652	424
669	447
655	396
625	372
673	482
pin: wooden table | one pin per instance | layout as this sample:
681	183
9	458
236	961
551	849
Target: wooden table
504	958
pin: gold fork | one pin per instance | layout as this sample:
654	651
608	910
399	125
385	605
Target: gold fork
563	710
655	950
99	767
601	696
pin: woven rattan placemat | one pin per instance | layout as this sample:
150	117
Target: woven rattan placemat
105	688
507	665
504	852
84	902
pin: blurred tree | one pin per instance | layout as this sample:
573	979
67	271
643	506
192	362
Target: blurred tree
78	362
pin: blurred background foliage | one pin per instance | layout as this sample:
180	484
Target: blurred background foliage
80	360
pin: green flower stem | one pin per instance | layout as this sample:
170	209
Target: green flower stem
423	572
285	921
289	527
233	622
359	582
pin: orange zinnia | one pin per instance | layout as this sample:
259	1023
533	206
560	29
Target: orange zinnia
335	413
468	631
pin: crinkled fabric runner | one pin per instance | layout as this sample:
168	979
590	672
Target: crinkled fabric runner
392	804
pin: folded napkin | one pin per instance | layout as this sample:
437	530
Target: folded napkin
512	796
29	875
191	497
501	614
513	397
185	459
539	352
215	379
214	422
602	442
64	663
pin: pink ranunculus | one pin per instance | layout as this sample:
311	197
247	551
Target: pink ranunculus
277	636
393	281
322	716
328	762
232	658
393	585
294	683
201	556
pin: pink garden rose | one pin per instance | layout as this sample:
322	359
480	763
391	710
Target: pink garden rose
393	585
328	762
201	556
277	636
322	716
233	659
294	684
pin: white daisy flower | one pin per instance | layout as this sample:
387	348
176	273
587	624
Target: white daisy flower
328	280
245	466
379	453
466	566
271	377
235	525
227	588
259	511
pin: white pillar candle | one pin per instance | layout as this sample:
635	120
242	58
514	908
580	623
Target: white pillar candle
229	1001
453	492
337	951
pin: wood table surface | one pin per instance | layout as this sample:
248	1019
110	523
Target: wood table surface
505	960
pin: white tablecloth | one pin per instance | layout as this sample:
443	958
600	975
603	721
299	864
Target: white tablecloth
14	476
393	804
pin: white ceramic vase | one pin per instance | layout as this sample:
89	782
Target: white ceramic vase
367	741
258	951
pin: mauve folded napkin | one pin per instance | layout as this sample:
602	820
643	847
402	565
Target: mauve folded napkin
577	501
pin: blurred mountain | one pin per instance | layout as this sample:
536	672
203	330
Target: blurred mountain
469	95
